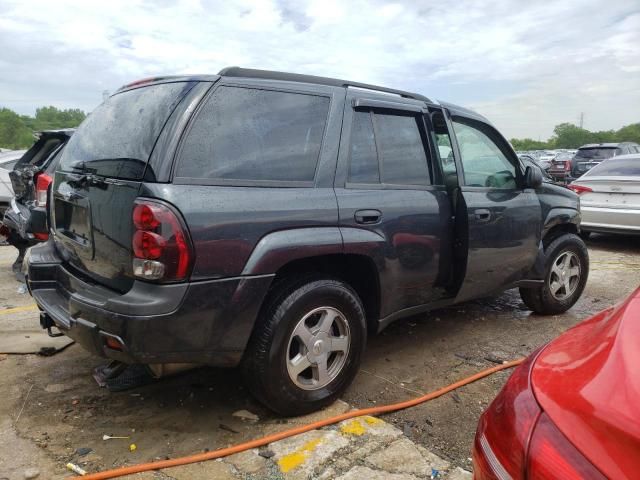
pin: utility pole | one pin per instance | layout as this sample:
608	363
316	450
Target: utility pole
581	119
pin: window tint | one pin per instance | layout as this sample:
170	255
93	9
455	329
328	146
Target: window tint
250	134
483	162
364	158
117	138
596	153
404	160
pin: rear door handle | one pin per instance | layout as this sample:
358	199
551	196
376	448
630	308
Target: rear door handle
367	217
483	214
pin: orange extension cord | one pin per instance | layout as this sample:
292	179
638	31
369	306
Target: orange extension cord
223	452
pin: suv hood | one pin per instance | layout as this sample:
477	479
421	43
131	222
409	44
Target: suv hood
587	382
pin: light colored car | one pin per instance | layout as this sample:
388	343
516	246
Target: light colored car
7	161
610	196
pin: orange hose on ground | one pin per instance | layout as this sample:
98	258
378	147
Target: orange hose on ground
224	452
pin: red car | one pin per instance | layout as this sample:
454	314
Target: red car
572	409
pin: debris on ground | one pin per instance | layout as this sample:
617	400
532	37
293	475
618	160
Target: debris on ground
113	437
133	447
82	451
246	415
31	473
76	469
228	428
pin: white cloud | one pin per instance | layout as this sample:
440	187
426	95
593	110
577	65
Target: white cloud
525	66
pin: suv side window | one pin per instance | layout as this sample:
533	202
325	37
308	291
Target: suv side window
484	164
387	148
363	153
249	134
404	159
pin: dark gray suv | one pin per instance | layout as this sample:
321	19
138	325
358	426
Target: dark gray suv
271	221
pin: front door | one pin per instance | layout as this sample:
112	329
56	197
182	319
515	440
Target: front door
503	219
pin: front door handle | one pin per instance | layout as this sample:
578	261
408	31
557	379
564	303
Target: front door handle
368	217
483	214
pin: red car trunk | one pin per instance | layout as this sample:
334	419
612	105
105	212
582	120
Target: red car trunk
587	382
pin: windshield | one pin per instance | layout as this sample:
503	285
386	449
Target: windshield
596	153
623	167
117	138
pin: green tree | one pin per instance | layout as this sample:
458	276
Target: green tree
629	133
16	131
568	135
528	144
13	132
50	117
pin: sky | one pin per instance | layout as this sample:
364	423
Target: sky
526	65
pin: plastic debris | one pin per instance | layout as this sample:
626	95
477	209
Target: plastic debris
76	469
246	415
133	447
22	289
112	437
435	473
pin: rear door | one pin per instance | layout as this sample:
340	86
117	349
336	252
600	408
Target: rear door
503	219
98	179
389	204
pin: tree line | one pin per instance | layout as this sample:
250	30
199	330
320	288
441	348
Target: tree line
16	131
568	135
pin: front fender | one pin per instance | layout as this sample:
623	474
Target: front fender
279	248
555	217
561	216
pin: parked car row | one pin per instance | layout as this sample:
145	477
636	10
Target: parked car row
565	166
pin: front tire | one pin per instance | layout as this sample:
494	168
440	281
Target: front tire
566	273
307	345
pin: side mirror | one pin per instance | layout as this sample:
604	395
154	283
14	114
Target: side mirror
532	177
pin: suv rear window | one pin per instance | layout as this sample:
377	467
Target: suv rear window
117	138
596	153
246	134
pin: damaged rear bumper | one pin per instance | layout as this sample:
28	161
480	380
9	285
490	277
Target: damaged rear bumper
206	322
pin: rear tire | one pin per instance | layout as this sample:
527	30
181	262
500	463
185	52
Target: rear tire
306	347
566	273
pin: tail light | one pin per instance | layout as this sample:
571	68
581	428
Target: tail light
552	456
580	189
42	181
42	184
503	432
161	246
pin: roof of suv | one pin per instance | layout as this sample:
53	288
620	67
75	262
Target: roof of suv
239	72
273	75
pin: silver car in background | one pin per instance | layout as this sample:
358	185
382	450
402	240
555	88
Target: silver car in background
7	160
610	196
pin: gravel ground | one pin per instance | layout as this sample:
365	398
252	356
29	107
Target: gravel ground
52	407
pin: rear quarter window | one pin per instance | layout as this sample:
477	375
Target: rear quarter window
117	138
253	135
616	168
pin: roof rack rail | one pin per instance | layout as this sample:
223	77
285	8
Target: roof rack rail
297	77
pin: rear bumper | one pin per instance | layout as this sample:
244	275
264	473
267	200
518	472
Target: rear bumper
614	220
205	322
